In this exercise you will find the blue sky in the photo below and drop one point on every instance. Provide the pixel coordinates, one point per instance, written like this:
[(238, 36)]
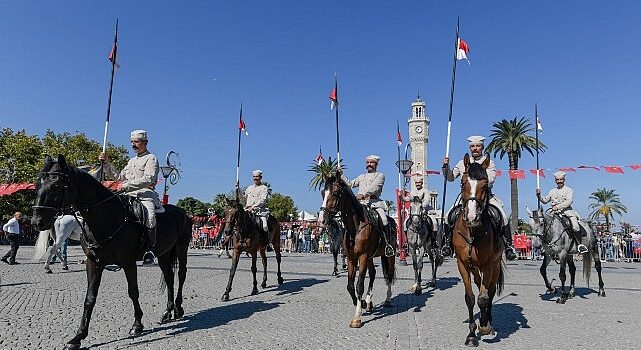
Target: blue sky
[(187, 66)]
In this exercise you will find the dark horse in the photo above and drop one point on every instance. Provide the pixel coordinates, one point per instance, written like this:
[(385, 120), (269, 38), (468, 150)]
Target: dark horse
[(336, 232), (248, 237), (114, 237), (479, 249), (362, 242)]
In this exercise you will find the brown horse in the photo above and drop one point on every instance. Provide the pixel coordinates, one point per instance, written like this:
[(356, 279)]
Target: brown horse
[(248, 237), (363, 241), (479, 249)]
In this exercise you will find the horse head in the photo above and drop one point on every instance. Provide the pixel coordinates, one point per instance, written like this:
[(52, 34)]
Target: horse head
[(54, 192), (416, 212), (475, 194), (333, 190), (233, 211)]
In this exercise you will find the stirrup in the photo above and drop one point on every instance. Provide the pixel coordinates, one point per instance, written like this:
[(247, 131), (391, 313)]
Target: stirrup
[(582, 249), (446, 250), (148, 258), (510, 253), (389, 251)]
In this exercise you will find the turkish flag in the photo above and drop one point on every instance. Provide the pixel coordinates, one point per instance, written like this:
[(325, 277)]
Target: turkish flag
[(613, 169), (533, 171), (516, 174)]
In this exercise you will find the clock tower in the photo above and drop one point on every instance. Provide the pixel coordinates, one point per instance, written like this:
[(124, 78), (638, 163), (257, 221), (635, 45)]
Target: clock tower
[(419, 127)]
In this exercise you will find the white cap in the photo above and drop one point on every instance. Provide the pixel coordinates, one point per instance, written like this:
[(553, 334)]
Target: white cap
[(257, 172), (559, 175), (418, 179), (373, 157), (476, 140), (139, 135)]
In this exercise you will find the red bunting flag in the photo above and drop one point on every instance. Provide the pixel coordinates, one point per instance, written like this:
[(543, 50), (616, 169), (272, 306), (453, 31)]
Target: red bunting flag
[(613, 169), (533, 171), (589, 167), (499, 172), (635, 166), (516, 174), (567, 169)]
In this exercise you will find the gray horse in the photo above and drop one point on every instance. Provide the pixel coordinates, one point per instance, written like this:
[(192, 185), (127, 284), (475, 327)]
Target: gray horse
[(421, 238), (336, 231), (551, 235), (65, 227)]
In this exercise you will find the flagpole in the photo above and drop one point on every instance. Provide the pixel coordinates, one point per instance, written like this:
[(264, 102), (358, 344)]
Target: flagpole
[(111, 86), (240, 120), (338, 142), (399, 194), (449, 132), (536, 128)]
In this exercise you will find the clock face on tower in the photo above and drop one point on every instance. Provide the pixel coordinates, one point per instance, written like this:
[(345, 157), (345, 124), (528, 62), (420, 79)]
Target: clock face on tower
[(418, 129)]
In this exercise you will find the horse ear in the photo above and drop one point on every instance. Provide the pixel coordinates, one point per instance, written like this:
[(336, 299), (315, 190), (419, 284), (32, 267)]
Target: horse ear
[(486, 162), (466, 160), (61, 161)]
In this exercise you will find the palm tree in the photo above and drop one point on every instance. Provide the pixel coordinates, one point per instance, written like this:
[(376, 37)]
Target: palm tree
[(322, 171), (511, 137), (607, 203)]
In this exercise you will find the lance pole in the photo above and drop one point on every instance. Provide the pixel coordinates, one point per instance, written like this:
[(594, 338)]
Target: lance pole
[(112, 58), (536, 128)]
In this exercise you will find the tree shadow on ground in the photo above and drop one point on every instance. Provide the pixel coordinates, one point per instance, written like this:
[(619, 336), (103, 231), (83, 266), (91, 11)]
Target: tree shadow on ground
[(507, 319)]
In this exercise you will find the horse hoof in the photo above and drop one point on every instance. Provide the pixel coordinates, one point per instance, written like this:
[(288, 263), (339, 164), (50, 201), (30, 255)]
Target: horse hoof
[(264, 285), (254, 291), (136, 330), (335, 273), (47, 271), (71, 347), (472, 341), (66, 268), (363, 304), (601, 293), (356, 323), (225, 297), (166, 317), (560, 300), (418, 291), (551, 291), (369, 307), (280, 280), (179, 312), (431, 284), (486, 330), (387, 304)]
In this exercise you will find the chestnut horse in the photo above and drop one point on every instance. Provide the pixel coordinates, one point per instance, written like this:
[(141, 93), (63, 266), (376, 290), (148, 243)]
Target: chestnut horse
[(479, 250), (362, 242), (248, 237)]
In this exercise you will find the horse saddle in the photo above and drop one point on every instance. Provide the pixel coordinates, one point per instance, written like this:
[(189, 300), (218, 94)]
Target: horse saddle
[(389, 231), (259, 223), (495, 216), (567, 224), (135, 211)]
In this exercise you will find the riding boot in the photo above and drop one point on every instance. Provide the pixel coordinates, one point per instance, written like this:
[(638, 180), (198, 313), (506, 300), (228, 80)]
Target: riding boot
[(579, 246), (148, 258), (510, 254), (447, 240)]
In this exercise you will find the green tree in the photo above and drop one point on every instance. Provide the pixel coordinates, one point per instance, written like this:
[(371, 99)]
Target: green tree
[(606, 204), (219, 204), (322, 171), (193, 206), (282, 207), (511, 137), (391, 205)]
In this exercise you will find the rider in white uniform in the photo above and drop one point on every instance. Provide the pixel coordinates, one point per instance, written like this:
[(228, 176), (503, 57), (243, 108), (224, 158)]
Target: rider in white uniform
[(562, 197), (257, 195)]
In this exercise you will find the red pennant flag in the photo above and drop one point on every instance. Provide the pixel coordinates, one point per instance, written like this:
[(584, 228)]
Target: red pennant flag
[(613, 169), (589, 167), (635, 166), (319, 157), (499, 172), (462, 49), (399, 139), (333, 96), (533, 171), (567, 169), (516, 174), (241, 126)]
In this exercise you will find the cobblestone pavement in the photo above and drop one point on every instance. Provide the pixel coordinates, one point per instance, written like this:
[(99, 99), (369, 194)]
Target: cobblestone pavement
[(311, 310)]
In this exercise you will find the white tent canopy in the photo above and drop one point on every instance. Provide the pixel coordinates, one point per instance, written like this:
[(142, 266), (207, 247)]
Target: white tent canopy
[(307, 216)]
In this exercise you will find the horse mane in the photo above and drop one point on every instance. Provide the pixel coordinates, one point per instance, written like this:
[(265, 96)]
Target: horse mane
[(358, 208), (475, 171)]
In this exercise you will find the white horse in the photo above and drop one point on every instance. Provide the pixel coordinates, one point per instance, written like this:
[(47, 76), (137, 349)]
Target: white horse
[(65, 226)]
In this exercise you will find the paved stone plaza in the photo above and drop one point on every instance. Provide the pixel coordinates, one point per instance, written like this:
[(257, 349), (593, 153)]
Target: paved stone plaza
[(311, 310)]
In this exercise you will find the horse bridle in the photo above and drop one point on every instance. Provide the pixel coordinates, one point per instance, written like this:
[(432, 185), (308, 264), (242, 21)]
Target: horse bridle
[(337, 196), (483, 204)]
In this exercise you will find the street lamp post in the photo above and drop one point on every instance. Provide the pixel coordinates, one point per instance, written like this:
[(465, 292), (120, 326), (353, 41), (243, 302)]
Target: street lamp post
[(404, 166), (171, 172)]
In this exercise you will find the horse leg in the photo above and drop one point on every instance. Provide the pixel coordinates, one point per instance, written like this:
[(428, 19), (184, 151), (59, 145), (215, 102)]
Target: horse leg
[(564, 297), (254, 270), (50, 255), (418, 269), (182, 274), (263, 258), (543, 270), (351, 274), (166, 267), (572, 269), (433, 264), (363, 262), (232, 272), (597, 266), (131, 273), (278, 259), (471, 339), (335, 254), (94, 275), (389, 267), (372, 274), (489, 280)]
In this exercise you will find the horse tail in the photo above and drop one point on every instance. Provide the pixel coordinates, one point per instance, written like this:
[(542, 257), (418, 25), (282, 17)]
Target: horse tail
[(173, 259), (587, 267), (41, 245), (500, 282)]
